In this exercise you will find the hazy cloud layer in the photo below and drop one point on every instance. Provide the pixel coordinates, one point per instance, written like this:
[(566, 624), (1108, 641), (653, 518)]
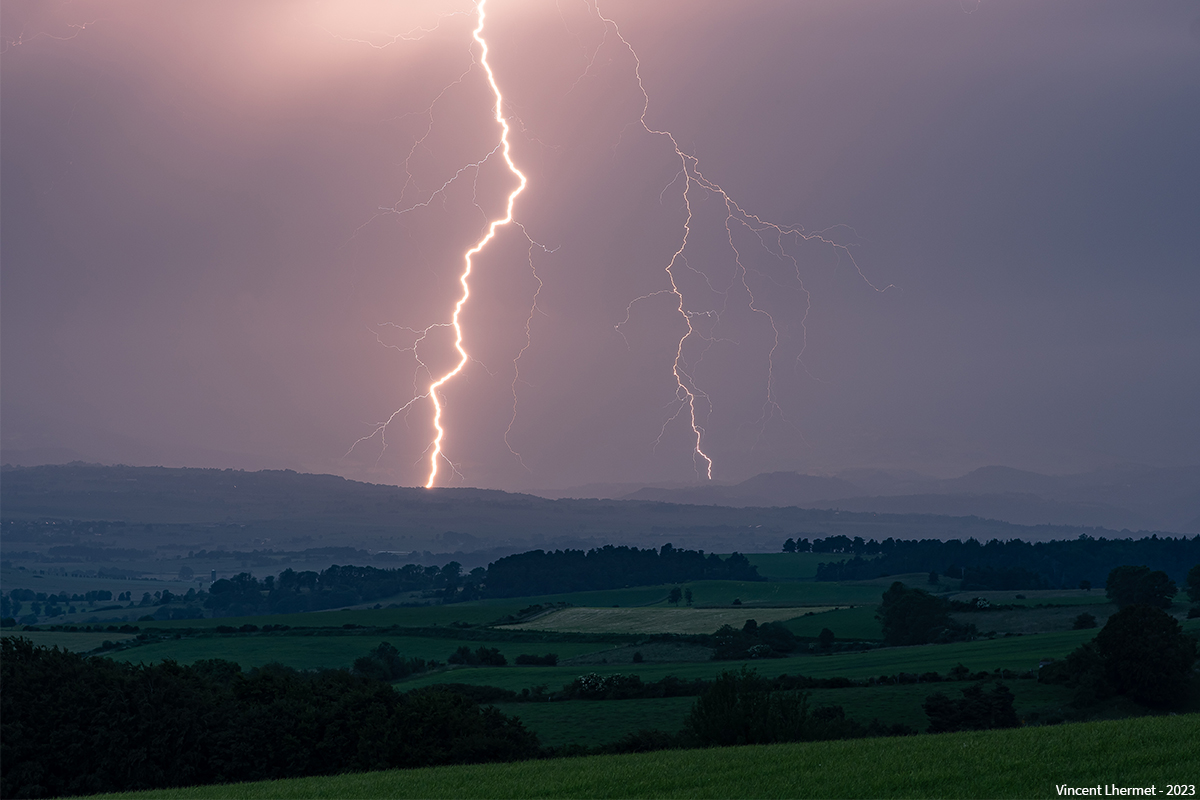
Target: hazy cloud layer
[(203, 264)]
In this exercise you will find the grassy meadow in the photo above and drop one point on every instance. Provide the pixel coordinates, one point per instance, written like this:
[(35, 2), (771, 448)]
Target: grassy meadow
[(1018, 763), (592, 723), (78, 642), (657, 620), (1018, 653)]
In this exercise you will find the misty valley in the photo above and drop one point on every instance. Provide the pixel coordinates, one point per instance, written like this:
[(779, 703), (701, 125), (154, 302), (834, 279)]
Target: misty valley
[(164, 624)]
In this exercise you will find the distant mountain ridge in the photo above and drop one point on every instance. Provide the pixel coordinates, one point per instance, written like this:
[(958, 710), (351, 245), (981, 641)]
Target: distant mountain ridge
[(1134, 498), (188, 509)]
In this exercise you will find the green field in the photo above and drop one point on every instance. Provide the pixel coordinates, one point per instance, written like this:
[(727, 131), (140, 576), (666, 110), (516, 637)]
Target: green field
[(414, 617), (714, 594), (1018, 653), (723, 593), (598, 722), (846, 623), (658, 620), (78, 642), (318, 651), (1020, 763)]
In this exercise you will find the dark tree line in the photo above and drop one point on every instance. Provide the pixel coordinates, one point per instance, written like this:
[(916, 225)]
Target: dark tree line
[(609, 567), (75, 725), (531, 573), (1012, 564), (337, 586)]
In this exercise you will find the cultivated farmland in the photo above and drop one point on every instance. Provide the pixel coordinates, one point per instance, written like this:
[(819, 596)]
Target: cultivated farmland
[(658, 620)]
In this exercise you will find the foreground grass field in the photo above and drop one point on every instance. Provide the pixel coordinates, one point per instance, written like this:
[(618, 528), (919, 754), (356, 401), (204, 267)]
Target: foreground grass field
[(1027, 762)]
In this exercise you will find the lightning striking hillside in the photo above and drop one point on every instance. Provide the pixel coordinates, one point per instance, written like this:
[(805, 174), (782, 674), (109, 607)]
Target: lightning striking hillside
[(771, 236), (701, 322), (506, 149)]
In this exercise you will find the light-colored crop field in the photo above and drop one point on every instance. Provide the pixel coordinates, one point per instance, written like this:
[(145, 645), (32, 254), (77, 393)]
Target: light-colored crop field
[(1024, 762), (659, 620)]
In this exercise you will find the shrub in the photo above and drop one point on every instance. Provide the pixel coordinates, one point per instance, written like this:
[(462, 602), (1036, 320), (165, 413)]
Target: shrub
[(974, 711), (548, 660), (482, 657)]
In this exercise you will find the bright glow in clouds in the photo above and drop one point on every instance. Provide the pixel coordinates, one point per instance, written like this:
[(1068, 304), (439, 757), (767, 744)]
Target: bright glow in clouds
[(691, 401), (234, 235)]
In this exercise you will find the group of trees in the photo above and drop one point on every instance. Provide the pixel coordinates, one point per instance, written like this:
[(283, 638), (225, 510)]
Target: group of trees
[(73, 725), (1013, 564), (609, 567), (976, 710), (385, 663), (744, 708), (337, 586), (769, 640), (534, 572), (480, 657), (1141, 652), (49, 604), (914, 616)]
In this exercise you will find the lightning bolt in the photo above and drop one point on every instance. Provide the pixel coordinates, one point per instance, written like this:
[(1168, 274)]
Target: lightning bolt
[(464, 279), (701, 326), (686, 390)]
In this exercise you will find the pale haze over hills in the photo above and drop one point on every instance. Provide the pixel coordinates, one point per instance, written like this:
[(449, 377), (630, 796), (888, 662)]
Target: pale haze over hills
[(1131, 497)]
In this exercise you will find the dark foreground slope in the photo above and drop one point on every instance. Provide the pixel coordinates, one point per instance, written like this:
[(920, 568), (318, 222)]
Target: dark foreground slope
[(1024, 762)]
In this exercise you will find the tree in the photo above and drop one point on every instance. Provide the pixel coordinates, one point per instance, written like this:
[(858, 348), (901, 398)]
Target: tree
[(825, 638), (687, 596), (1127, 586), (1086, 585), (789, 546), (1083, 621), (1193, 584), (675, 596), (913, 616), (1147, 656)]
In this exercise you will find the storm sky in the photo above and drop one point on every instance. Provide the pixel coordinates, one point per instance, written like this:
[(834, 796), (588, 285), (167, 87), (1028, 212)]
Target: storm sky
[(205, 264)]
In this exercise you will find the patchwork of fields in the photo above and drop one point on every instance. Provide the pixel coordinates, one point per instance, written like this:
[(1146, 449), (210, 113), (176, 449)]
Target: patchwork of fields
[(602, 630)]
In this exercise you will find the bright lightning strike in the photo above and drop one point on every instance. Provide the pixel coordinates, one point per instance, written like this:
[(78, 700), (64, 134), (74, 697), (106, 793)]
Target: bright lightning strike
[(686, 390), (464, 279), (701, 325)]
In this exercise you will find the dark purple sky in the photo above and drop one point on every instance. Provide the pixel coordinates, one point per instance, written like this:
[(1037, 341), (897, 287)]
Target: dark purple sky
[(200, 267)]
